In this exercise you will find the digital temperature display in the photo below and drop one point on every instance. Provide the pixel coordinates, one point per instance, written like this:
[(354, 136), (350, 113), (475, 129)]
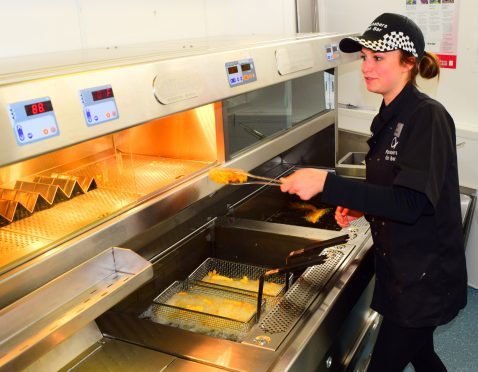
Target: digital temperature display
[(33, 120), (99, 105), (232, 70), (98, 95), (38, 108)]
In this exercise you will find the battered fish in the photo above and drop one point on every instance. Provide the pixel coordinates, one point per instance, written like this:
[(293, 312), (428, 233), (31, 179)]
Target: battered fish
[(227, 175), (252, 285), (214, 305), (315, 213), (314, 216)]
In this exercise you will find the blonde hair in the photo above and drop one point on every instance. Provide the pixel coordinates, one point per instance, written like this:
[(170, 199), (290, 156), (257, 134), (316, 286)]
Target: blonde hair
[(428, 67)]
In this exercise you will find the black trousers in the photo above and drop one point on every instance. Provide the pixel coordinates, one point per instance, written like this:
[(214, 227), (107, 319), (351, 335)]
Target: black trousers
[(397, 346)]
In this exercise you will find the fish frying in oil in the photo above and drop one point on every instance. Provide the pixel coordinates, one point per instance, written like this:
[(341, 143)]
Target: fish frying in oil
[(245, 283), (314, 214)]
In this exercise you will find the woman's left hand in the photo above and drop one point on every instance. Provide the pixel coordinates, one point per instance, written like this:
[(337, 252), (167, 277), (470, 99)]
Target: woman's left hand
[(305, 182)]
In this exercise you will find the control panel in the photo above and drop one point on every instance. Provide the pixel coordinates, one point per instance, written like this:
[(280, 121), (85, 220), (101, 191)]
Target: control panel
[(332, 52), (241, 72), (99, 105), (33, 120)]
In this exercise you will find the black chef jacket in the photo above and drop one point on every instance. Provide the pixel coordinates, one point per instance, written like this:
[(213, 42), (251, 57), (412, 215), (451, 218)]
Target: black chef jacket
[(420, 266)]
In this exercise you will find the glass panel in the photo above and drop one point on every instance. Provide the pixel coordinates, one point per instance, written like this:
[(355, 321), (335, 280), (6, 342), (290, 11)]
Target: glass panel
[(252, 117)]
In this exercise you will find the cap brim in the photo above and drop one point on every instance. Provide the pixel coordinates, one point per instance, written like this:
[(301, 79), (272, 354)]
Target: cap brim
[(354, 44), (350, 45)]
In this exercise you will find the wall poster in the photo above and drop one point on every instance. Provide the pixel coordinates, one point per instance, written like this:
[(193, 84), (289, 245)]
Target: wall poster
[(438, 20)]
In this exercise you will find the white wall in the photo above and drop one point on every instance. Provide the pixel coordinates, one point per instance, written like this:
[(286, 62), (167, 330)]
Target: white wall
[(31, 27), (457, 89)]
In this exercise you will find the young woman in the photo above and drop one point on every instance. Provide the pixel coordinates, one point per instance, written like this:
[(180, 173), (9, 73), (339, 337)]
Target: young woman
[(410, 197)]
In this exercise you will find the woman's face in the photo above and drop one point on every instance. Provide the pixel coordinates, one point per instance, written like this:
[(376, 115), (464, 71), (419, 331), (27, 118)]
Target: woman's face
[(384, 73)]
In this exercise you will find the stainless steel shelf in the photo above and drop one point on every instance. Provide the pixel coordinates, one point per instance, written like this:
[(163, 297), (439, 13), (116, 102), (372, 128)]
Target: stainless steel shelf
[(41, 320)]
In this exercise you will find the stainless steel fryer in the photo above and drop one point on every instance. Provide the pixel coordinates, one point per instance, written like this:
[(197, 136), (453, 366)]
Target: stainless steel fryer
[(246, 242)]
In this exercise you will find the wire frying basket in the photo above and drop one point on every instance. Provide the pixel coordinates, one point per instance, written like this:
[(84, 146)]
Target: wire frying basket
[(206, 310), (237, 277)]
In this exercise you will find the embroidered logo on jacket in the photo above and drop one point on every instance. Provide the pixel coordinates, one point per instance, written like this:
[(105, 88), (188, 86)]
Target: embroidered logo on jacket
[(391, 154), (394, 143)]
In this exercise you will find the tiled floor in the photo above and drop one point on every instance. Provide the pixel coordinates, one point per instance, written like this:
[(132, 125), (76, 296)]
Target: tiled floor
[(457, 342)]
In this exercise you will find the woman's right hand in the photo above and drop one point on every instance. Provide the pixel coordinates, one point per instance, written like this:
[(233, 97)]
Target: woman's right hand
[(343, 216)]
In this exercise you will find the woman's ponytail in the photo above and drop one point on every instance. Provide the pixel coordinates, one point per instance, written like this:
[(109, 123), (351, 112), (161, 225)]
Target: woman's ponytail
[(427, 68)]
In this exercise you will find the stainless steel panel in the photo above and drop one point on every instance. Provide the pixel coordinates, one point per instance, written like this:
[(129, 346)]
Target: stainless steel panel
[(470, 202), (69, 349), (192, 346), (131, 82), (465, 203), (112, 355), (294, 58), (181, 365), (174, 87), (288, 230), (359, 357), (39, 321), (352, 165), (349, 141)]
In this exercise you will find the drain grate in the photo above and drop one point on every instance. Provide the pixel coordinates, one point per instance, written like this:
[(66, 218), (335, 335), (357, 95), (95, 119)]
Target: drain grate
[(359, 222), (291, 307)]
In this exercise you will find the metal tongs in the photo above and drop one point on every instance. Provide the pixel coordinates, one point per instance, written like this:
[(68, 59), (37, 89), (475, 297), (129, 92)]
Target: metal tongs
[(260, 180), (307, 256)]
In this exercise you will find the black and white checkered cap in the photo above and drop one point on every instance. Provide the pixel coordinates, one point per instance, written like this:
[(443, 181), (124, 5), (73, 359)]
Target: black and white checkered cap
[(386, 33)]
